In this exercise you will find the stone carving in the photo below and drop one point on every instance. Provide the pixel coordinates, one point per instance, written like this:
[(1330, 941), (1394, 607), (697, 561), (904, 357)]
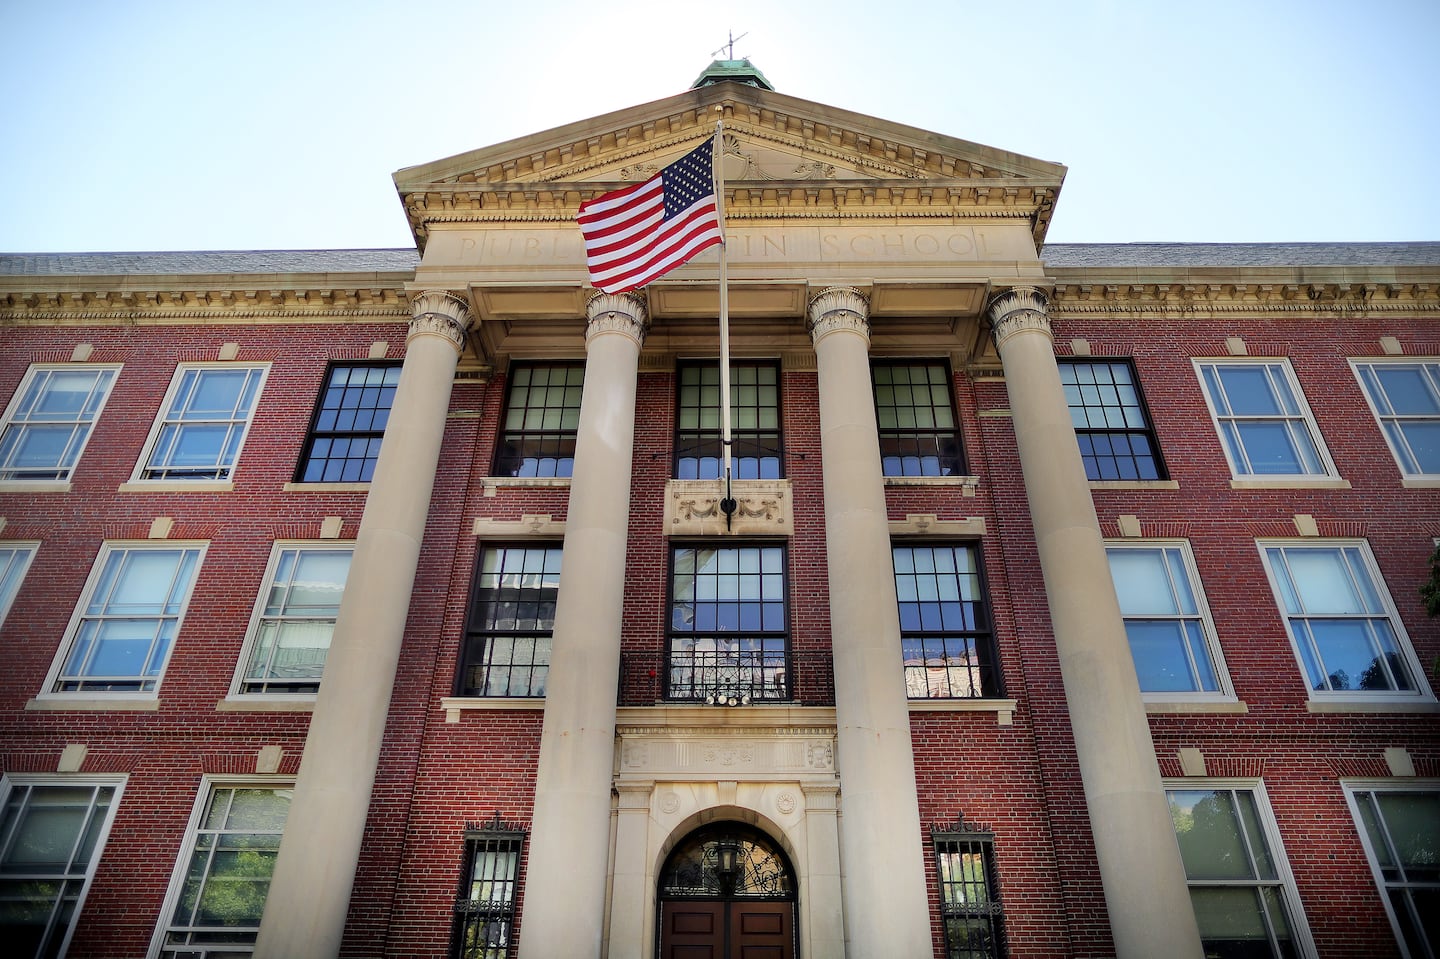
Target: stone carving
[(639, 171), (669, 804), (709, 508), (441, 313), (820, 754), (839, 308), (729, 754), (1016, 310), (814, 170), (636, 754), (617, 313), (785, 803)]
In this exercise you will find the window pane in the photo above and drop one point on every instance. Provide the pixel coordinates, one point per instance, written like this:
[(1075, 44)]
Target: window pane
[(542, 414), (349, 424), (51, 420), (203, 426)]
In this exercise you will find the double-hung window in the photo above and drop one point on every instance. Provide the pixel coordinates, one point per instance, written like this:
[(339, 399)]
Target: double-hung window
[(915, 413), (754, 421), (14, 561), (1172, 638), (1265, 425), (490, 879), (1405, 397), (294, 618), (946, 634), (1240, 884), (512, 612), (129, 614), (52, 831), (970, 907), (47, 423), (1400, 826), (542, 415), (202, 423), (1342, 623), (1112, 426), (222, 878), (349, 423), (729, 638)]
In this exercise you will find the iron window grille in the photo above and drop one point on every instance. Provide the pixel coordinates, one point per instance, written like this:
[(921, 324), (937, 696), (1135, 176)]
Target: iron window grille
[(49, 420), (489, 882), (729, 640), (349, 423), (542, 415), (757, 866), (756, 451), (970, 908), (1112, 424), (1401, 828), (512, 613), (915, 413), (946, 635)]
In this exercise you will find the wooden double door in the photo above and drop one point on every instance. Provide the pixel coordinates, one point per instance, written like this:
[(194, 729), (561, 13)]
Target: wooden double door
[(727, 929)]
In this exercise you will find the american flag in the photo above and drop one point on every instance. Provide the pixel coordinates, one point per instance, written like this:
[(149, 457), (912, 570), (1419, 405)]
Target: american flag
[(640, 233)]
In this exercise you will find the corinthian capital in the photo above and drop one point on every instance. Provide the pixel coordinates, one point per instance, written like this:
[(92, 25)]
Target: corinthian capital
[(617, 313), (839, 308), (439, 313), (1019, 309)]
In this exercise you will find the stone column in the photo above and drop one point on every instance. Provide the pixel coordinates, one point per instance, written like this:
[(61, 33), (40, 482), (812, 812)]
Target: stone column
[(633, 892), (1139, 860), (824, 935), (564, 914), (881, 845), (315, 870)]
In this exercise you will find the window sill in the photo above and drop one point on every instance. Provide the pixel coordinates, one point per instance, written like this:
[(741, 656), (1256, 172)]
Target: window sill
[(169, 486), (325, 487), (1289, 482), (1196, 706), (34, 486), (60, 703), (1004, 709), (1135, 484), (494, 483), (455, 705), (256, 704), (1373, 706), (968, 483), (1420, 482)]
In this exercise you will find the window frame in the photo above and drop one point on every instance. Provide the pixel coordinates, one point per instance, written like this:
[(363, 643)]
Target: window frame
[(983, 638), (9, 782), (107, 549), (502, 837), (473, 634), (1270, 832), (313, 434), (1404, 648), (1430, 369), (209, 785), (258, 618), (696, 439), (1353, 789), (167, 414), (957, 463), (27, 382), (1281, 367), (506, 438), (1225, 691), (961, 834), (1143, 407), (13, 572)]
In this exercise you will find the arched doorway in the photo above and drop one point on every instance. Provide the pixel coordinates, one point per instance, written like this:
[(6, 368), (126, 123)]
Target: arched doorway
[(727, 892)]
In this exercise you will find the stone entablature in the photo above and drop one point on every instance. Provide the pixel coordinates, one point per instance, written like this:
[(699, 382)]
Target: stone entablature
[(708, 743), (186, 299)]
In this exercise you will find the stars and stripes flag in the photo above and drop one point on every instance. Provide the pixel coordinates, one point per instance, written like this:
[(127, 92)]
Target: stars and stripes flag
[(640, 233)]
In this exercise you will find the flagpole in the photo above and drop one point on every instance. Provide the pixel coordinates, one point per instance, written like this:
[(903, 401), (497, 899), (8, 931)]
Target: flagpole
[(727, 504)]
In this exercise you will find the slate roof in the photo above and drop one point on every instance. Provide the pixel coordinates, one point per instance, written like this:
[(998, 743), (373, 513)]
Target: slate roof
[(1240, 254), (216, 261)]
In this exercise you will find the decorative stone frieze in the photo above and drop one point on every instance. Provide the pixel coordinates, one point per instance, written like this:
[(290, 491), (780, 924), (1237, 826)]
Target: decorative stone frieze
[(1016, 310), (838, 308), (692, 508), (439, 313), (617, 313)]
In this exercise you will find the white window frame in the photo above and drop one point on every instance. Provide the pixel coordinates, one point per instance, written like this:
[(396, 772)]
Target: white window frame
[(257, 616), (1226, 692), (208, 785), (82, 425), (1353, 786), (1304, 943), (12, 572), (163, 416), (107, 549), (1302, 418), (10, 781), (1403, 646), (1431, 370)]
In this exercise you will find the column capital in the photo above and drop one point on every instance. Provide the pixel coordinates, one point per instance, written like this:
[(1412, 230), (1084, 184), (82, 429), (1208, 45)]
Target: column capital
[(439, 313), (839, 308), (1023, 308), (617, 313)]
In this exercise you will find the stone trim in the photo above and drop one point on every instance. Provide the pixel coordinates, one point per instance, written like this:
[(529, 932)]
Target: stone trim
[(763, 507), (926, 524), (1017, 310), (1004, 709), (440, 313), (623, 313), (838, 308), (528, 525)]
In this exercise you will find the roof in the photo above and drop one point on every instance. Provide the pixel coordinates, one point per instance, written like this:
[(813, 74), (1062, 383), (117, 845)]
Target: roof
[(240, 262), (1240, 254)]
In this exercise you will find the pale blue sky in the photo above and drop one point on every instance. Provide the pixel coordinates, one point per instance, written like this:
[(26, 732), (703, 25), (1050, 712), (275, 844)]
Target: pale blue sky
[(258, 124)]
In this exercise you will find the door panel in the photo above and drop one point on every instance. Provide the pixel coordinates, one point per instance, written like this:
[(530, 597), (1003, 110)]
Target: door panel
[(762, 930), (757, 930), (692, 930)]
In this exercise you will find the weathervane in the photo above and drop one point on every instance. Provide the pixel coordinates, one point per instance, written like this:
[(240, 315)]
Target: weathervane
[(729, 46)]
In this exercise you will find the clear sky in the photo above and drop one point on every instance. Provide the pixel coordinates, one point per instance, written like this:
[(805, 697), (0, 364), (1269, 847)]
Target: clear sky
[(130, 125)]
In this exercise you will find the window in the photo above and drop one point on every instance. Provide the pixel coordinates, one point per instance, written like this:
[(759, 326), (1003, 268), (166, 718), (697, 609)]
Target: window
[(1405, 398), (1172, 640), (51, 837), (1240, 885), (1401, 830), (1265, 426), (1342, 623), (512, 611), (349, 423), (970, 906), (1111, 423), (542, 413), (485, 909), (754, 421), (223, 876), (129, 614), (945, 630), (49, 420), (916, 416), (202, 423), (729, 641), (14, 561), (294, 619)]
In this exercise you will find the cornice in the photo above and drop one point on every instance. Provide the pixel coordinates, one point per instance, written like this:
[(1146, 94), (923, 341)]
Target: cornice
[(1281, 299)]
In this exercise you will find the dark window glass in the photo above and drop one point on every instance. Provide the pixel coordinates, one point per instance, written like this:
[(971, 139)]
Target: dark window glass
[(542, 413), (1111, 424), (485, 908), (512, 611), (945, 630), (754, 421), (915, 412), (349, 423), (970, 907)]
